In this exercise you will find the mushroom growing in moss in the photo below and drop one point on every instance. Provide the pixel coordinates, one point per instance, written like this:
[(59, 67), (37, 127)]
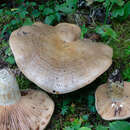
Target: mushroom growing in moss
[(113, 98), (26, 110), (56, 59)]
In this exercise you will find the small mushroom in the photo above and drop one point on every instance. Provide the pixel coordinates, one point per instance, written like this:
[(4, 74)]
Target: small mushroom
[(56, 59), (113, 98), (26, 110)]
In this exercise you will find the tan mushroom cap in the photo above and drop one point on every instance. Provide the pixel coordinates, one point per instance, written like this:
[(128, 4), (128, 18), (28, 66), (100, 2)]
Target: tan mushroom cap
[(56, 59), (104, 104), (28, 110)]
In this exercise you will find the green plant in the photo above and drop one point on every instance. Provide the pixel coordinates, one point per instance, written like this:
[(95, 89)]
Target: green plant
[(119, 125), (100, 127), (64, 109), (14, 18), (105, 31), (72, 108), (83, 31), (10, 60), (68, 7), (65, 106), (121, 12), (118, 8), (54, 14), (23, 82), (91, 103), (8, 56), (127, 51), (77, 124), (28, 12), (126, 73), (116, 125)]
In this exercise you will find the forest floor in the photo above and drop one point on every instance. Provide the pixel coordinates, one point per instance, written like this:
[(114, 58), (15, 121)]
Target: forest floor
[(76, 108)]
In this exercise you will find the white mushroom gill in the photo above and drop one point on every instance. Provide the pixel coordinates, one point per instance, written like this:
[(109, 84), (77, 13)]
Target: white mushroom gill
[(9, 90)]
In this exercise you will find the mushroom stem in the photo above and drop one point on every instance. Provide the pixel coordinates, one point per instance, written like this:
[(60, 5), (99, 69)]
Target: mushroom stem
[(115, 91), (115, 86), (9, 90)]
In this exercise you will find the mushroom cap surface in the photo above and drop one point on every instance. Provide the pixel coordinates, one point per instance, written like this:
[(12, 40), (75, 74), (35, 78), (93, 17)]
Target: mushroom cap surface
[(104, 103), (32, 112), (56, 59)]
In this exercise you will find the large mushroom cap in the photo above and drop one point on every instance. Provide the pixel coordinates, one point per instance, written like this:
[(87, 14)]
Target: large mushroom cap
[(107, 109), (30, 110), (56, 59)]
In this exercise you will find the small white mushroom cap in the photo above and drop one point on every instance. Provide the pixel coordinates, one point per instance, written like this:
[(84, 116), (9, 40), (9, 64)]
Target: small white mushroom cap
[(28, 110), (55, 58)]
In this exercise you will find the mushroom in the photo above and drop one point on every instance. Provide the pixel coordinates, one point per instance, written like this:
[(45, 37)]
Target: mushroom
[(56, 59), (113, 98), (26, 110)]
